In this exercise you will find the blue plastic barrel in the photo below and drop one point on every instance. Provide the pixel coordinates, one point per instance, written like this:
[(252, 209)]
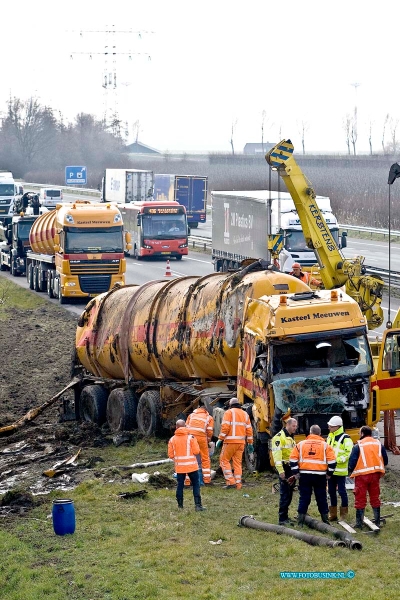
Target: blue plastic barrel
[(63, 516)]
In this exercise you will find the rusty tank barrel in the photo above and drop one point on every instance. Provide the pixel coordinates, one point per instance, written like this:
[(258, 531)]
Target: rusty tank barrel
[(313, 540), (181, 329)]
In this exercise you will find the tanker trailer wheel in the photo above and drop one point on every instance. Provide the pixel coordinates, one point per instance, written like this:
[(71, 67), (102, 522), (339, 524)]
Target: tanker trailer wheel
[(149, 413), (93, 404), (50, 291), (35, 275), (121, 410), (29, 276)]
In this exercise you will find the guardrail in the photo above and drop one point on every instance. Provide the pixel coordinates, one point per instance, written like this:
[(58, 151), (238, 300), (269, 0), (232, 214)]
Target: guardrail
[(370, 230), (200, 242), (64, 188)]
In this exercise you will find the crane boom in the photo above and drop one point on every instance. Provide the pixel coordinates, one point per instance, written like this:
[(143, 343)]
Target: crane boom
[(335, 269)]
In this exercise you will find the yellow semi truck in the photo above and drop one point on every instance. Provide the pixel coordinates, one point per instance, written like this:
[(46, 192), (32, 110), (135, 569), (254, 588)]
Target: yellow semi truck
[(145, 354), (77, 251)]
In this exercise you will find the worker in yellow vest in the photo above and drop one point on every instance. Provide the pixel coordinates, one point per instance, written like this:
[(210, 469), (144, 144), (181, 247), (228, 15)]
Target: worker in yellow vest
[(282, 445), (342, 446)]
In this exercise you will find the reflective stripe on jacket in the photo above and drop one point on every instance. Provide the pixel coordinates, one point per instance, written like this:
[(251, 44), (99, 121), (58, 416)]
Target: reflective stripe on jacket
[(313, 455), (182, 448), (236, 427), (342, 446), (200, 423), (282, 445), (370, 457)]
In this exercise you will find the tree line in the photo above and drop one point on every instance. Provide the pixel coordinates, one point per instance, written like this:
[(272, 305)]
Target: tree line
[(36, 145)]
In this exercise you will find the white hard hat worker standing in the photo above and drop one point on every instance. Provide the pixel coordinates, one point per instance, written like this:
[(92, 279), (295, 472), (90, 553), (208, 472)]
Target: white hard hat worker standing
[(342, 446)]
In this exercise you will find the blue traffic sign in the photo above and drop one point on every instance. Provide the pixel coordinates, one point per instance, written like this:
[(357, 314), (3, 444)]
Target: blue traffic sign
[(75, 175)]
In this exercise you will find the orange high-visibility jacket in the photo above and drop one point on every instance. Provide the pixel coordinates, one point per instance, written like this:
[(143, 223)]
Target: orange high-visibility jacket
[(236, 427), (313, 455), (200, 423), (370, 459), (306, 278), (182, 448)]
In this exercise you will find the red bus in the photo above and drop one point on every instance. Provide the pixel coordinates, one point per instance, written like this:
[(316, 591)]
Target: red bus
[(156, 228)]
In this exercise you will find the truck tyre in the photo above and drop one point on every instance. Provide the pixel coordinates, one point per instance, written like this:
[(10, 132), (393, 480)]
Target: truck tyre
[(42, 280), (3, 267), (13, 270), (29, 276), (225, 266), (121, 410), (35, 275), (194, 225), (50, 291), (93, 404), (149, 413)]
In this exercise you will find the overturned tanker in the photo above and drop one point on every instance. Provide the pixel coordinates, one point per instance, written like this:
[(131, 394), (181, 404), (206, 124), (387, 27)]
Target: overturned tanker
[(145, 354)]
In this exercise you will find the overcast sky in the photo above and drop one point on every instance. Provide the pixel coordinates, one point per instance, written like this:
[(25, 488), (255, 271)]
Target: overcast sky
[(213, 63)]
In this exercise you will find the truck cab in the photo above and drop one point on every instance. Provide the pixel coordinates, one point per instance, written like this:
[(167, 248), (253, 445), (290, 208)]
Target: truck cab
[(10, 192)]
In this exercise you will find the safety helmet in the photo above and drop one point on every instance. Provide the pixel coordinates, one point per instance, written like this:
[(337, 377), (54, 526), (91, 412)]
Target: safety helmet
[(296, 266), (233, 401), (335, 422)]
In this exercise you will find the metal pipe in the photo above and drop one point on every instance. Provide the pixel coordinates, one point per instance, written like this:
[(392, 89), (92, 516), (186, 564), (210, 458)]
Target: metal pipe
[(313, 540), (326, 528)]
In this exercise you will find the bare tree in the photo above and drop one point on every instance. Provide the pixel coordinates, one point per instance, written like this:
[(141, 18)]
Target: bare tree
[(32, 126), (136, 130), (385, 122), (354, 132), (346, 128), (393, 124), (370, 137), (303, 126), (233, 127), (263, 115)]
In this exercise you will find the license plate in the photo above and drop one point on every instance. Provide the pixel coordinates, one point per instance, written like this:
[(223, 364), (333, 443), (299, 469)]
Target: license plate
[(165, 253)]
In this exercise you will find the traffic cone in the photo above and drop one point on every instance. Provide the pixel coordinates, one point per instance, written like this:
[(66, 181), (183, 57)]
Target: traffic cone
[(168, 270)]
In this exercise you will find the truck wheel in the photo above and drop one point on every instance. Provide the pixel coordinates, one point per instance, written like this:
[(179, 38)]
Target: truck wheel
[(3, 267), (35, 275), (42, 280), (50, 291), (149, 413), (121, 410), (194, 225), (29, 276), (13, 270), (225, 266), (93, 404)]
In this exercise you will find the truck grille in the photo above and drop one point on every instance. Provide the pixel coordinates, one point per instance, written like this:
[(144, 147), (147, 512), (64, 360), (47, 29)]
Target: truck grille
[(94, 284), (94, 266)]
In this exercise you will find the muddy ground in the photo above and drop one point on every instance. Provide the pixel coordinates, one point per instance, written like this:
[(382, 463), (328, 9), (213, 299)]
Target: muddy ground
[(36, 347)]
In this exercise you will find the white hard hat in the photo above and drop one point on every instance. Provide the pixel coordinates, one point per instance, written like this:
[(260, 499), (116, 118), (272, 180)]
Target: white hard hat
[(233, 401), (336, 422)]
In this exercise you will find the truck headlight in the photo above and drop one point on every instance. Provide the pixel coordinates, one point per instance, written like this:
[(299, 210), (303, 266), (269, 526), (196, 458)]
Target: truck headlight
[(69, 284)]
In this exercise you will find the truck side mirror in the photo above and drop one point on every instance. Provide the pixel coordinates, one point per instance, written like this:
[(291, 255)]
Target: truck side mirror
[(128, 237), (56, 240), (344, 239)]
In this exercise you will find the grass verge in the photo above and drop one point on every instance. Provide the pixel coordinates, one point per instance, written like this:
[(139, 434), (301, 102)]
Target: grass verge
[(146, 548)]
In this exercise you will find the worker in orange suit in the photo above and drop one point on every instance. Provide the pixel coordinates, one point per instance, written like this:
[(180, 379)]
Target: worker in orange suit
[(201, 424), (303, 276), (183, 448), (235, 430)]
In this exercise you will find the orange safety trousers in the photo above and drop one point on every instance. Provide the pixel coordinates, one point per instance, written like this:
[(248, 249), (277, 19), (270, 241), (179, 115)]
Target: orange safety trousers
[(234, 453), (205, 464)]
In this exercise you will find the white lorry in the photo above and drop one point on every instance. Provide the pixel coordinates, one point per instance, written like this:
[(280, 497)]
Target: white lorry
[(242, 221), (10, 192), (127, 185)]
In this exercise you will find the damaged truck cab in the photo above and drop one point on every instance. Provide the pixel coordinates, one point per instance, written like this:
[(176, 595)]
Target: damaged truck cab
[(306, 355)]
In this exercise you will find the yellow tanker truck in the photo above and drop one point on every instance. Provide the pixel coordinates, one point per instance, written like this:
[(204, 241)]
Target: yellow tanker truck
[(145, 354), (77, 251)]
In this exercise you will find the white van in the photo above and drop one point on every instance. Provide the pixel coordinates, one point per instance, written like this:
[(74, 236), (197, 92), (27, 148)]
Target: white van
[(50, 197)]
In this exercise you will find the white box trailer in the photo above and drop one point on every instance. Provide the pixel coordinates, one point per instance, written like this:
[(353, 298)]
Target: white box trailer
[(240, 227), (127, 185)]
